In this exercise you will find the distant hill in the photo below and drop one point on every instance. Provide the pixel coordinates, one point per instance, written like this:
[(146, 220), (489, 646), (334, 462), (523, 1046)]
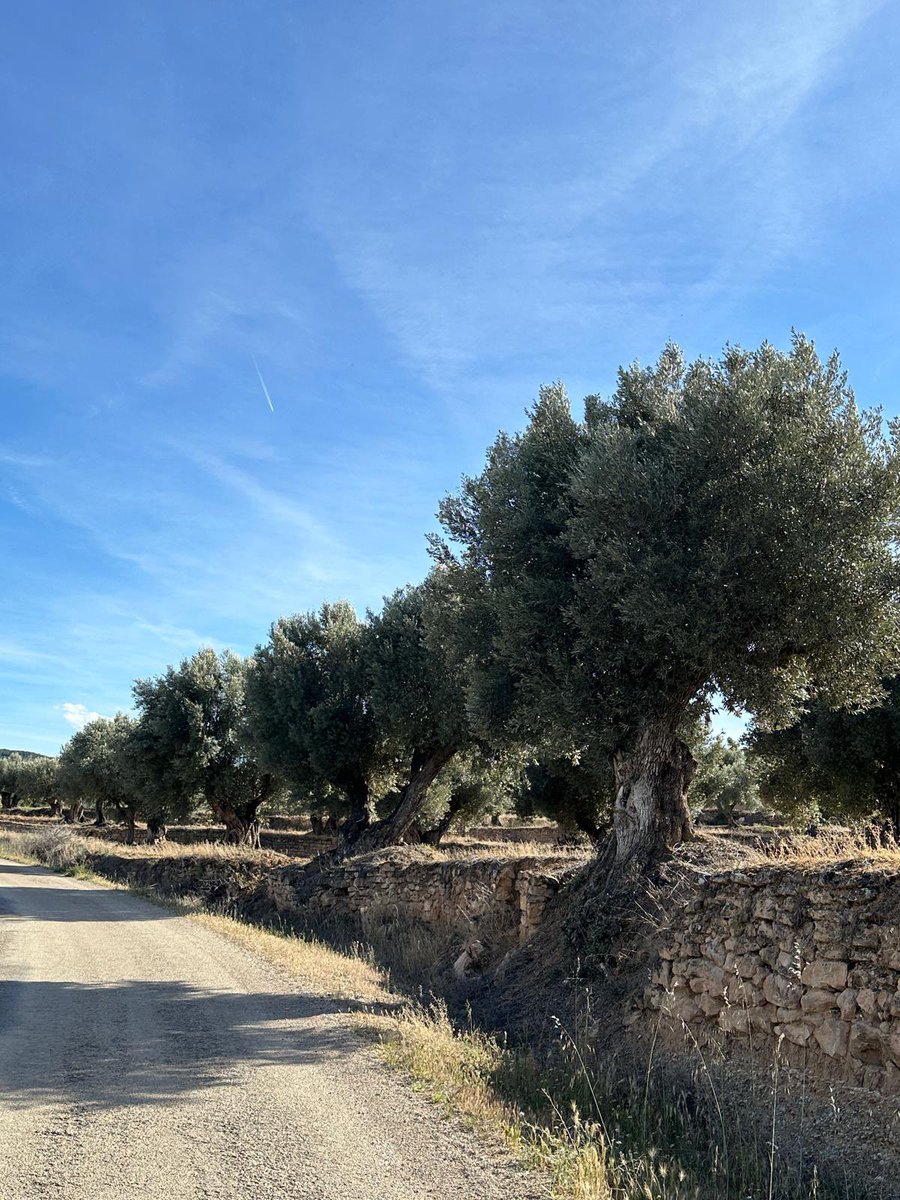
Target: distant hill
[(23, 753)]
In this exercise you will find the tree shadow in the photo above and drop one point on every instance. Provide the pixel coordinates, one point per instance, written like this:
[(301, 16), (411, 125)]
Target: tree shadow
[(111, 1045), (59, 902)]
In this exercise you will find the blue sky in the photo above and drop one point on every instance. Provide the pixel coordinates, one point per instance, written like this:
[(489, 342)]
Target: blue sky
[(408, 215)]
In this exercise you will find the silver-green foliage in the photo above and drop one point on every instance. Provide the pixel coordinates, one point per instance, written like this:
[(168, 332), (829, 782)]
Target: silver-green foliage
[(720, 527), (726, 779), (193, 744)]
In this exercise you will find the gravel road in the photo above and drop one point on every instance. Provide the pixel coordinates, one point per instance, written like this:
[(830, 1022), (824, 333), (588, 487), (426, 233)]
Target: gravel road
[(142, 1056)]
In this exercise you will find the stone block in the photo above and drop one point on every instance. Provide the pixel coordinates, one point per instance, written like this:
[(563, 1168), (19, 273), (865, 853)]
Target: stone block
[(833, 1037), (796, 1032), (866, 1001), (782, 992), (825, 973), (711, 1005), (846, 1003), (818, 1000), (865, 1043)]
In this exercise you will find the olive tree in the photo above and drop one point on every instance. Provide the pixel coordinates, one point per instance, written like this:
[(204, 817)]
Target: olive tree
[(844, 763), (310, 711), (418, 698), (726, 779), (374, 708), (193, 746), (723, 528), (27, 779), (576, 795), (478, 784), (12, 775), (39, 783), (95, 768)]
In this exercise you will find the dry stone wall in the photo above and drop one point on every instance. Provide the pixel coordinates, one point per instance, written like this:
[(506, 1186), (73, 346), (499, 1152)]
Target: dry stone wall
[(807, 960), (452, 894), (402, 882)]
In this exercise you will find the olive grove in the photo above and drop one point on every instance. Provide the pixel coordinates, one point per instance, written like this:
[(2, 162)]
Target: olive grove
[(716, 533)]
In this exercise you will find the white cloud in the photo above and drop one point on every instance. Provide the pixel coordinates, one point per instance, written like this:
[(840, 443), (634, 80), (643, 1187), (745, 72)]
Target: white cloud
[(78, 715)]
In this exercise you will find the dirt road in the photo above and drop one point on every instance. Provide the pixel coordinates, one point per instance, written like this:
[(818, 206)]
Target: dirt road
[(144, 1056)]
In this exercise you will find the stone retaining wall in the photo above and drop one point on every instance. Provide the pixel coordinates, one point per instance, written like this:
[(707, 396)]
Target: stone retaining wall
[(405, 882), (808, 960), (454, 894)]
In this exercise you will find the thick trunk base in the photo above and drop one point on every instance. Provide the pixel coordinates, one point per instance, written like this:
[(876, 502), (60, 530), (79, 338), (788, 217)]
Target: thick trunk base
[(401, 824), (156, 832), (242, 828), (651, 814)]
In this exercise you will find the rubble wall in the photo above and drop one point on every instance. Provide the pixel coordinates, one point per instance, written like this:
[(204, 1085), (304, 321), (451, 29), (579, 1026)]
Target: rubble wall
[(805, 960)]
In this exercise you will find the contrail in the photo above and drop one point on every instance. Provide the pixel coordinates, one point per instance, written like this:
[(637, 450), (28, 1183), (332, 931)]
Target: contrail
[(262, 382)]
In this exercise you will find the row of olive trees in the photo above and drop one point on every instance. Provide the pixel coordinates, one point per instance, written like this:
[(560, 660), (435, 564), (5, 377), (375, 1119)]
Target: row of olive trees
[(718, 533), (27, 779), (354, 717)]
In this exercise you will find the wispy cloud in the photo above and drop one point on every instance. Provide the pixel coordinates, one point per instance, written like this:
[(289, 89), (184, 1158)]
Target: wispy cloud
[(77, 715), (692, 192), (13, 458)]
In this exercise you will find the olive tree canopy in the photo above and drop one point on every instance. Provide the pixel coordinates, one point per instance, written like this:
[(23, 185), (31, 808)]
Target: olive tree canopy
[(373, 709), (193, 742), (310, 710), (94, 768), (844, 764), (724, 527), (418, 697)]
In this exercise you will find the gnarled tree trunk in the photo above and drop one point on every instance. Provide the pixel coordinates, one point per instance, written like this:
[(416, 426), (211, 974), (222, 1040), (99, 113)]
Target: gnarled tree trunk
[(362, 811), (241, 823), (424, 769), (652, 775), (74, 813), (99, 817), (156, 830), (433, 836)]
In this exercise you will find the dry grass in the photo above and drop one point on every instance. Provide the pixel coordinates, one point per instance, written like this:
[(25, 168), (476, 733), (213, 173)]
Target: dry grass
[(325, 971), (455, 1069), (46, 843), (470, 849), (832, 844)]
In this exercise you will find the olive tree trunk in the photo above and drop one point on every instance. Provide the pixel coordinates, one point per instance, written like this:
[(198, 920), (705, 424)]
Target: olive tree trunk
[(424, 769), (241, 823), (652, 776), (434, 836), (362, 811), (156, 830), (99, 815)]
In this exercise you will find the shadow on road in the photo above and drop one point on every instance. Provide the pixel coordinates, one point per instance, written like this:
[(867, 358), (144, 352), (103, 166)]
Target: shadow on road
[(108, 1045), (59, 902)]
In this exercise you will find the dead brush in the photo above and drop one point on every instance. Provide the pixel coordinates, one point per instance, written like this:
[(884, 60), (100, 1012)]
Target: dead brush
[(56, 847)]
